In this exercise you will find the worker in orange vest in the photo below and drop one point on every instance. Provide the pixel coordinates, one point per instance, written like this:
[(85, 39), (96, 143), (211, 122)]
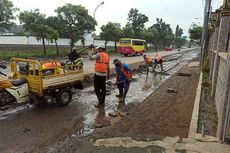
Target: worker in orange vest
[(148, 62), (158, 60), (124, 76), (101, 71)]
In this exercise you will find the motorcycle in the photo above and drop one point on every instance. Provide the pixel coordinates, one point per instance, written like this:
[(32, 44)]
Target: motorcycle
[(12, 92)]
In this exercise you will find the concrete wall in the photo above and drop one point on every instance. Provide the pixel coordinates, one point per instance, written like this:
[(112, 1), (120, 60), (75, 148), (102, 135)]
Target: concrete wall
[(221, 86), (23, 40), (219, 58)]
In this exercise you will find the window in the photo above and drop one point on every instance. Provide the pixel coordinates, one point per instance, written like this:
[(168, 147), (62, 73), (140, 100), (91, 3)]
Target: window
[(138, 42), (125, 41)]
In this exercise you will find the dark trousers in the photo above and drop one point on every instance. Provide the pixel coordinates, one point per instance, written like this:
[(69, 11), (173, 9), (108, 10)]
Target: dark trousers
[(158, 62), (123, 87), (100, 88)]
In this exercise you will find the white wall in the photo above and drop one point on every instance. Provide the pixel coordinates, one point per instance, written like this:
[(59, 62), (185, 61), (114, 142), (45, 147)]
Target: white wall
[(23, 40)]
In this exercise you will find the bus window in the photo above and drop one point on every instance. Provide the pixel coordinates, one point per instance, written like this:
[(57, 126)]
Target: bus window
[(138, 42), (125, 41)]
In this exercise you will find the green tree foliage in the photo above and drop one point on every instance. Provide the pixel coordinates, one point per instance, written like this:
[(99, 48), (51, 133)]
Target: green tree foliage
[(54, 35), (34, 22), (111, 32), (83, 41), (196, 33), (57, 24), (127, 31), (137, 21), (180, 41), (164, 36), (6, 14), (179, 31), (149, 35), (77, 20)]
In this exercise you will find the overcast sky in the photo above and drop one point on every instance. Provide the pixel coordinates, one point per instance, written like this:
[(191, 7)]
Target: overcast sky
[(173, 12)]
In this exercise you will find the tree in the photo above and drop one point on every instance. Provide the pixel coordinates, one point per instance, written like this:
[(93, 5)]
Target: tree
[(180, 41), (57, 24), (6, 14), (179, 31), (77, 20), (148, 35), (196, 33), (127, 31), (163, 34), (83, 41), (137, 21), (111, 32), (54, 35), (34, 22)]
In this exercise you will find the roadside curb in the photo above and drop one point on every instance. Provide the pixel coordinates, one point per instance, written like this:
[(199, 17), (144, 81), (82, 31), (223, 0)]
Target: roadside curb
[(195, 113)]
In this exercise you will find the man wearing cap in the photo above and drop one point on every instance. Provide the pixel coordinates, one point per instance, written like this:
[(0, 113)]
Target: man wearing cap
[(101, 71), (124, 76)]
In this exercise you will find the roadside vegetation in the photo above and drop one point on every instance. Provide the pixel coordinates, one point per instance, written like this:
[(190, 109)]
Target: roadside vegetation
[(207, 112), (73, 22)]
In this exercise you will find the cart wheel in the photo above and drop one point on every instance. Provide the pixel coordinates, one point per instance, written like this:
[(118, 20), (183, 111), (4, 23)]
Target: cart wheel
[(64, 97)]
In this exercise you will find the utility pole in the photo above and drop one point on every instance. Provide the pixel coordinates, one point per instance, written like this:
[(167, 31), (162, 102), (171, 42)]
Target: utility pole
[(204, 40)]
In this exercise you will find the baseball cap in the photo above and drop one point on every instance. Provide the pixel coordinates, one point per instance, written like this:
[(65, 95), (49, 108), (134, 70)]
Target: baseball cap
[(116, 61)]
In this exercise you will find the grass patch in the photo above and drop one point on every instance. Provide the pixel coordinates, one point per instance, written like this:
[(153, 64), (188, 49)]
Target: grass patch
[(6, 54)]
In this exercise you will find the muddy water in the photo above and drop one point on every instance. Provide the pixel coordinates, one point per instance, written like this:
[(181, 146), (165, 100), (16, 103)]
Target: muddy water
[(82, 111)]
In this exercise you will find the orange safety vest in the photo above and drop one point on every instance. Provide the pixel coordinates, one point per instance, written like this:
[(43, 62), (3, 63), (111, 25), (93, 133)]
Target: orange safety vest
[(102, 64), (128, 74), (158, 58), (51, 65)]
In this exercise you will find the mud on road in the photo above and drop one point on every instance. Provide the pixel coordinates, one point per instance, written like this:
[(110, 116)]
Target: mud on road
[(166, 112), (51, 128)]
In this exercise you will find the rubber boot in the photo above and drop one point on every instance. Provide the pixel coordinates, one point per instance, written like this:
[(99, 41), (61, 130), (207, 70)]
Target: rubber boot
[(122, 99), (101, 100)]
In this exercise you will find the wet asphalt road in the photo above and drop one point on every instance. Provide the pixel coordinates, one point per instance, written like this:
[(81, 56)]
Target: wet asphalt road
[(25, 127)]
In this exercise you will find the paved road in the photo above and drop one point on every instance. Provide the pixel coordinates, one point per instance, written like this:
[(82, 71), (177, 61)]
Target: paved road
[(24, 129), (89, 64)]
